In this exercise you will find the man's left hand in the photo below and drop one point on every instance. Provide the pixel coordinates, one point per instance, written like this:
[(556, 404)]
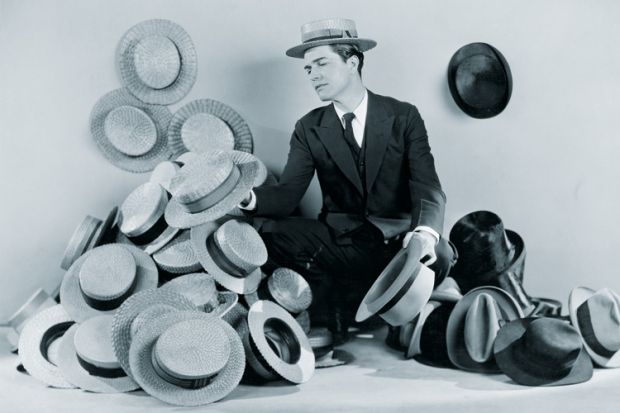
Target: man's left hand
[(422, 243)]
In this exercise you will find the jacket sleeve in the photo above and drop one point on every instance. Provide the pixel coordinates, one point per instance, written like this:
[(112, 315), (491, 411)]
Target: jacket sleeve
[(427, 198), (281, 199)]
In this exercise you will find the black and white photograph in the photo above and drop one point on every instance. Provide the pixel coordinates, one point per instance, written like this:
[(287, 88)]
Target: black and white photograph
[(329, 206)]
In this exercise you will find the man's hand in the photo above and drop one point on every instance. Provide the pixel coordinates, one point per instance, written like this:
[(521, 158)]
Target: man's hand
[(421, 244)]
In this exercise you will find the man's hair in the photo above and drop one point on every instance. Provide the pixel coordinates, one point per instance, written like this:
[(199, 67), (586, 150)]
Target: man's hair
[(345, 51)]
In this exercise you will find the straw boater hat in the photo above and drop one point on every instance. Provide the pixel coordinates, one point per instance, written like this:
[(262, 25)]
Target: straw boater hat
[(294, 359), (157, 61), (178, 257), (100, 280), (473, 326), (37, 302), (233, 253), (141, 218), (206, 124), (329, 31), (187, 358), (285, 287), (542, 351), (207, 188), (199, 288), (130, 134), (596, 316), (127, 320), (480, 80), (165, 171), (91, 233), (87, 360), (400, 291), (39, 344)]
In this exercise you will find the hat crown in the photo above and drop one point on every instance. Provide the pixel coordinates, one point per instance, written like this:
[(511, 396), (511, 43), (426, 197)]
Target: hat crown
[(552, 342), (157, 61), (192, 349), (481, 81), (290, 289), (107, 272), (604, 307), (142, 208), (201, 176), (241, 244), (482, 322), (199, 288), (93, 342), (203, 132), (328, 28), (130, 130)]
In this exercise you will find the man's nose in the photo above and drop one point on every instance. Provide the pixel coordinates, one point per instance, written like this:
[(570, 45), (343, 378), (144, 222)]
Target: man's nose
[(314, 75)]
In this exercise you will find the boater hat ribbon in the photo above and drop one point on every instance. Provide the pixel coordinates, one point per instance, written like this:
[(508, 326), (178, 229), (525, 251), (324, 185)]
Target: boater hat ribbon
[(213, 197)]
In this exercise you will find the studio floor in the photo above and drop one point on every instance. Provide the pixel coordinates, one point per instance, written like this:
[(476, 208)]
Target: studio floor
[(378, 380)]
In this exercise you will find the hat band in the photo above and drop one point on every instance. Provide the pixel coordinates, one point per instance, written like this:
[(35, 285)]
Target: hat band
[(100, 371), (215, 196), (324, 34), (52, 333), (397, 297), (539, 367), (106, 305), (152, 233), (184, 383), (222, 261), (587, 332)]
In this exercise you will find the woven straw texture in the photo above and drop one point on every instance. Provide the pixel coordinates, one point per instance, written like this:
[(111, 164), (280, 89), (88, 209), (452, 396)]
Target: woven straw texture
[(71, 294), (241, 244), (199, 288), (107, 273), (243, 140), (225, 302), (177, 217), (178, 256), (163, 174), (290, 290), (150, 313), (160, 115), (259, 314), (130, 130), (203, 132), (201, 176), (140, 358), (142, 208), (30, 346), (156, 61), (132, 308)]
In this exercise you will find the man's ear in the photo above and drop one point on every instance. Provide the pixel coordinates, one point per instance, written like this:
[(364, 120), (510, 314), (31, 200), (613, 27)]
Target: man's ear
[(353, 63)]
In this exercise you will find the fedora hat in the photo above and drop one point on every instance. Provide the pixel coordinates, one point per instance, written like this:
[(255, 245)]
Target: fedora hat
[(489, 254), (596, 316), (542, 351), (100, 280), (86, 358), (473, 326), (232, 252), (329, 31), (39, 344), (177, 256), (428, 344), (187, 358), (400, 291), (91, 233), (141, 218), (134, 312), (157, 61), (206, 124), (480, 80), (130, 134), (37, 302), (447, 290), (207, 188), (279, 343)]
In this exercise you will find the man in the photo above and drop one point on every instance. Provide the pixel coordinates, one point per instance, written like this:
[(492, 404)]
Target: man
[(377, 176)]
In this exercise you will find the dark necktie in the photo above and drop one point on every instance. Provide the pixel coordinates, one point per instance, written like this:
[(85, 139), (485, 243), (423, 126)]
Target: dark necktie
[(348, 132)]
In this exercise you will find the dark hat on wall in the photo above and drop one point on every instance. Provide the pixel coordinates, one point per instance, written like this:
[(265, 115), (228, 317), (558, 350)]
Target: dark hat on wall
[(489, 254), (542, 352), (329, 31), (480, 80)]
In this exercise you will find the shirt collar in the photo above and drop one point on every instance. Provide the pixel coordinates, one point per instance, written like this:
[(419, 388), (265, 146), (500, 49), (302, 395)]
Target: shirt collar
[(360, 111)]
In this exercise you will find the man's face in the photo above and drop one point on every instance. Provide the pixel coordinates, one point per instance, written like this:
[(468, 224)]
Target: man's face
[(328, 73)]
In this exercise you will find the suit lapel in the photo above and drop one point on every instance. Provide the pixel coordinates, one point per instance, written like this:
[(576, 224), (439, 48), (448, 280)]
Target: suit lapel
[(377, 134), (329, 132)]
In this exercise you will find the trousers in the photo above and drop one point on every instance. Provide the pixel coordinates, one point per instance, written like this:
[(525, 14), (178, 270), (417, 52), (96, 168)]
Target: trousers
[(340, 270)]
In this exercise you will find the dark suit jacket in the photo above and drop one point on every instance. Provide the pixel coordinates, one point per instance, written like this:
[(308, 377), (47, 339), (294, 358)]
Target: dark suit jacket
[(401, 181)]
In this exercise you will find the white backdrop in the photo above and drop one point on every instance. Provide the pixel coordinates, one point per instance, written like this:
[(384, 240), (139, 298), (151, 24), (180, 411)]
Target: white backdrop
[(546, 165)]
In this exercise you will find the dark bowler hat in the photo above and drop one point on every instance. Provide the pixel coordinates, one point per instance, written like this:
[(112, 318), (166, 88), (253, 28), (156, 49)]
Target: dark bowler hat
[(480, 80), (489, 254)]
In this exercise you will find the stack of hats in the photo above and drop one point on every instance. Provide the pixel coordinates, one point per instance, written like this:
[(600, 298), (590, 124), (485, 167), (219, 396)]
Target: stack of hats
[(150, 297)]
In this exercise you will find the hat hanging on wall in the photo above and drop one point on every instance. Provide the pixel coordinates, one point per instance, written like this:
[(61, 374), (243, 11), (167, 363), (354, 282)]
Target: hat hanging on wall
[(205, 124), (329, 31), (130, 133), (480, 80), (157, 61)]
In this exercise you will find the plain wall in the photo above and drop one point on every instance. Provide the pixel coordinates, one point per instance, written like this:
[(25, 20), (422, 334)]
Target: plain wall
[(546, 165)]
